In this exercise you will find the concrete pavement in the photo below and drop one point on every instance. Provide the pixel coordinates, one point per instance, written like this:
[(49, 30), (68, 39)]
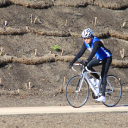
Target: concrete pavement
[(61, 109)]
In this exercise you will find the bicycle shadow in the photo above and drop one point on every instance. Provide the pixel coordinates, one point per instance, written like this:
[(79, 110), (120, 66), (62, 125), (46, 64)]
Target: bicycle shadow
[(125, 105)]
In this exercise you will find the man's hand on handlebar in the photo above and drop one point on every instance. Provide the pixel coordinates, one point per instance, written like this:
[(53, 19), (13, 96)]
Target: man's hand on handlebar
[(84, 62), (81, 61)]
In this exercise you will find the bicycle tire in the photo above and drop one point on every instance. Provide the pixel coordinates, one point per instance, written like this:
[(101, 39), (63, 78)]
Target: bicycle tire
[(112, 98), (74, 98)]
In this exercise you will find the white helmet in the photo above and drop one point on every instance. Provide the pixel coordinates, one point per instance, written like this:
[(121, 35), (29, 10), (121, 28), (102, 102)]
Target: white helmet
[(87, 33)]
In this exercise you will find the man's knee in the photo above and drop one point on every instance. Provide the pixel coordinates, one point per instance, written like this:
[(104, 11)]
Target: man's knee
[(89, 67)]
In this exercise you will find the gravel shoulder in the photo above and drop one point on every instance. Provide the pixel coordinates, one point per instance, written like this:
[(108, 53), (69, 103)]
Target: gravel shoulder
[(81, 120)]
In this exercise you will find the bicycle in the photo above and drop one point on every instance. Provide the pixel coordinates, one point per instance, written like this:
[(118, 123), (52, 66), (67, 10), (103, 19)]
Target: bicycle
[(77, 89)]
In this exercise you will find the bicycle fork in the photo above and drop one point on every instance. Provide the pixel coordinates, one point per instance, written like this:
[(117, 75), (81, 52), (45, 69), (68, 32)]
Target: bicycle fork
[(79, 84)]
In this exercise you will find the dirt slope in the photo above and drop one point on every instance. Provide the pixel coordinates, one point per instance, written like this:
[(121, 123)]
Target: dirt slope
[(39, 25)]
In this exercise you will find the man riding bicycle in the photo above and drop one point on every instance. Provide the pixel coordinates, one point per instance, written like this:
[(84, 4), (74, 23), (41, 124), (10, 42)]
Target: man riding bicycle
[(102, 56)]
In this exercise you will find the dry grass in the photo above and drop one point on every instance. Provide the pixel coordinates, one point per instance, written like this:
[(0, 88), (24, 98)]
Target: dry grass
[(122, 53), (1, 50)]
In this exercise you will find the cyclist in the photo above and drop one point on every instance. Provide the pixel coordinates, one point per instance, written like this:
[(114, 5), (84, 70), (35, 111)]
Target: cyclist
[(102, 56)]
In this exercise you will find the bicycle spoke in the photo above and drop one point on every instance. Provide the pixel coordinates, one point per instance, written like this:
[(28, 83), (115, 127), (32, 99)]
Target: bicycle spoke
[(77, 92), (113, 91), (75, 98)]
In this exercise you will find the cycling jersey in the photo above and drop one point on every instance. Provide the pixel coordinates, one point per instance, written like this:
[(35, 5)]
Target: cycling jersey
[(102, 56), (101, 52), (96, 48)]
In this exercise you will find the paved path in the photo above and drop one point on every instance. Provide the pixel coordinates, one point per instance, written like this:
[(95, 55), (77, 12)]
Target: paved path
[(61, 109)]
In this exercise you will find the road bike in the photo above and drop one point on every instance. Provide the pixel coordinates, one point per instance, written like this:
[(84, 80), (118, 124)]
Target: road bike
[(77, 88)]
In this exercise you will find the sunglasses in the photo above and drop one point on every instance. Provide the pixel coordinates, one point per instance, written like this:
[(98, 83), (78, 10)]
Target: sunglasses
[(86, 38)]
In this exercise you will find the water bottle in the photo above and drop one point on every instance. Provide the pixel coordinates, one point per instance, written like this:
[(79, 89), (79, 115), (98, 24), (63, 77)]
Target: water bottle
[(94, 84), (93, 81)]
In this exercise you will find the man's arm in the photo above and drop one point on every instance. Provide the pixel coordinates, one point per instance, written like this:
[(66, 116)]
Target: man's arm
[(96, 46), (80, 53)]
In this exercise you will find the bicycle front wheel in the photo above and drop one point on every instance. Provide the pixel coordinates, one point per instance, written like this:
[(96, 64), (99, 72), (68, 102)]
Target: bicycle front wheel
[(75, 96), (113, 91)]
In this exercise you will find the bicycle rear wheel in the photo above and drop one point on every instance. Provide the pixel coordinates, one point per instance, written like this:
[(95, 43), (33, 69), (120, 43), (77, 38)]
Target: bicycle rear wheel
[(113, 91), (75, 97)]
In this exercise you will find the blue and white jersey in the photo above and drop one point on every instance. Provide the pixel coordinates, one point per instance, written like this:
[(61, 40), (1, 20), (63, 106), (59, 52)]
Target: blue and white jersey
[(101, 53)]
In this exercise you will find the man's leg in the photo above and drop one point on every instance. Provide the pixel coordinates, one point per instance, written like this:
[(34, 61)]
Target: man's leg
[(93, 62), (105, 68)]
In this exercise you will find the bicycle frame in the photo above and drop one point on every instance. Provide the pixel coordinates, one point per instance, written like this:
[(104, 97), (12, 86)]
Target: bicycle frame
[(93, 89), (90, 84), (84, 74)]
